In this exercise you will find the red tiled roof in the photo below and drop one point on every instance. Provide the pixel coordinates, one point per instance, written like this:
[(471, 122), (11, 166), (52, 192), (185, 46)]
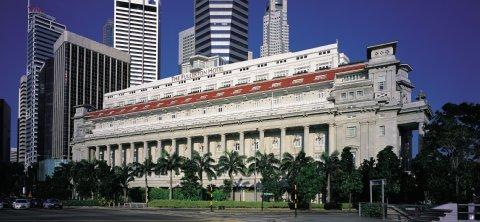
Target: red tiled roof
[(275, 84)]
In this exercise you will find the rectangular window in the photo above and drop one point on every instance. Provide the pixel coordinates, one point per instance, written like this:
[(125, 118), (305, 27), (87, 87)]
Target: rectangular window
[(261, 77), (359, 93), (382, 130), (344, 96), (196, 89), (351, 95), (351, 131), (226, 84), (243, 81), (279, 74), (381, 83), (321, 95), (210, 87), (168, 95), (298, 97), (181, 92)]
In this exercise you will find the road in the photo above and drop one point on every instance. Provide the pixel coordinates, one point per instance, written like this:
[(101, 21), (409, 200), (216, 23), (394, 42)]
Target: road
[(149, 215)]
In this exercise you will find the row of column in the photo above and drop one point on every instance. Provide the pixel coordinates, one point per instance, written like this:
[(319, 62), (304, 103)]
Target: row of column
[(121, 150)]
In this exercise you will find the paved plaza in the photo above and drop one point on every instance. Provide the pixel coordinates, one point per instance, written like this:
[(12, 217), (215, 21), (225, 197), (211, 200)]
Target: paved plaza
[(107, 214)]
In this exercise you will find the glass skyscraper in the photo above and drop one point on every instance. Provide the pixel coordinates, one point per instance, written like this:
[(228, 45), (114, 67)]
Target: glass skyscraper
[(42, 31), (221, 28)]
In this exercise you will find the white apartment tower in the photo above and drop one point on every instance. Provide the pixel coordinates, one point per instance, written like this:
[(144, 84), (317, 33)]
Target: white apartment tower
[(136, 31), (186, 45), (275, 29)]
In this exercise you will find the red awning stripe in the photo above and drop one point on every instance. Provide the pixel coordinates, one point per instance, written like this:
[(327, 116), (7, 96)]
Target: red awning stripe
[(275, 84)]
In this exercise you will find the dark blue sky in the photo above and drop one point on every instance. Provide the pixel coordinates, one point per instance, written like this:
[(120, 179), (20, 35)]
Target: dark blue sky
[(439, 38)]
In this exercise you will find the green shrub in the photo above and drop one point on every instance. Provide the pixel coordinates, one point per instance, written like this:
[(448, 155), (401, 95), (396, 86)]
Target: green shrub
[(372, 210), (333, 206), (81, 203), (219, 195), (206, 204), (158, 193)]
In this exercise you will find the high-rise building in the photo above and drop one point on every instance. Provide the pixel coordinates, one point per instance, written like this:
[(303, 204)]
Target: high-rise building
[(13, 155), (107, 33), (221, 28), (84, 70), (137, 31), (186, 45), (43, 31), (5, 113), (45, 110), (275, 29), (22, 118)]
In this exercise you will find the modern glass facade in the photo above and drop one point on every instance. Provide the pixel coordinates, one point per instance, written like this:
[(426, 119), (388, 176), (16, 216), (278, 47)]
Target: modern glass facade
[(42, 31), (84, 70), (221, 28), (108, 33)]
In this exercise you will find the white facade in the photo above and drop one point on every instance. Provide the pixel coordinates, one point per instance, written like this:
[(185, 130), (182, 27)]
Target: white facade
[(186, 45), (137, 31), (275, 29), (311, 100), (212, 77)]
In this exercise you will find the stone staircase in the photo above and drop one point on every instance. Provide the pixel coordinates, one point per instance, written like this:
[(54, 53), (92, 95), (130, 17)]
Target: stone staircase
[(415, 213)]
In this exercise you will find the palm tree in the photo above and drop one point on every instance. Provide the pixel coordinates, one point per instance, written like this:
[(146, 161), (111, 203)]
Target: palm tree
[(169, 163), (205, 164), (146, 169), (231, 163), (258, 163), (291, 165), (331, 164), (124, 175)]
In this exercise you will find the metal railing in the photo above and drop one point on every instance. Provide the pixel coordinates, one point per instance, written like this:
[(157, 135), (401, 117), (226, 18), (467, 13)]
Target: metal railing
[(468, 211)]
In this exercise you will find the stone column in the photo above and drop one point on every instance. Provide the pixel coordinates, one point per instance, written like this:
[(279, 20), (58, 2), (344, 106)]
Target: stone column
[(159, 151), (174, 146), (331, 138), (261, 141), (97, 152), (421, 133), (283, 142), (109, 155), (132, 152), (188, 153), (118, 155), (205, 145), (306, 141), (241, 141), (223, 141), (145, 151)]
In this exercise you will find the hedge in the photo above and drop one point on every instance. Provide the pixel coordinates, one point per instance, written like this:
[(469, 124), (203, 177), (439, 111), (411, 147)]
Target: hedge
[(226, 204), (206, 204), (372, 210)]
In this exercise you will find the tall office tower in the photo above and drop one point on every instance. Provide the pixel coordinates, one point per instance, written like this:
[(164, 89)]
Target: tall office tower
[(275, 29), (107, 33), (221, 28), (45, 109), (137, 31), (186, 45), (43, 31), (84, 70), (22, 119), (5, 113)]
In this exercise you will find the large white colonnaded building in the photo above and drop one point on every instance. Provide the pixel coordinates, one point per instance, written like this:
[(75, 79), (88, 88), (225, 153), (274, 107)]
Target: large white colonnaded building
[(315, 100)]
